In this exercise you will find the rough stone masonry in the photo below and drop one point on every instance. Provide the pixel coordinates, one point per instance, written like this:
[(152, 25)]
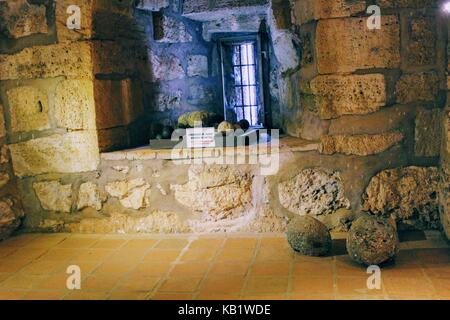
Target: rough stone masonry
[(366, 111)]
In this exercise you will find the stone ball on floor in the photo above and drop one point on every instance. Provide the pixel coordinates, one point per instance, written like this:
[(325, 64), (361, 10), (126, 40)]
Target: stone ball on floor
[(308, 236), (372, 240)]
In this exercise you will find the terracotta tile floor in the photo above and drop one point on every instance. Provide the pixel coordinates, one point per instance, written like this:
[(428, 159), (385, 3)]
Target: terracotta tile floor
[(33, 266)]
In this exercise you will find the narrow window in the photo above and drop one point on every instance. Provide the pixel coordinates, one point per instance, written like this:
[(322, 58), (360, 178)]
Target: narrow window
[(241, 76)]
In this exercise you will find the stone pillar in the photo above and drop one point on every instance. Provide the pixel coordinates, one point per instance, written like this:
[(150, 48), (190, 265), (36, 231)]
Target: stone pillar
[(65, 94)]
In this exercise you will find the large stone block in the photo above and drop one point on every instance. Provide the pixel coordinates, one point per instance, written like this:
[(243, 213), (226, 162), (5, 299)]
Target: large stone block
[(197, 66), (28, 108), (207, 10), (422, 38), (54, 196), (69, 153), (313, 192), (166, 67), (308, 10), (132, 194), (126, 57), (409, 194), (89, 196), (169, 30), (428, 133), (72, 60), (74, 106), (168, 101), (2, 122), (219, 192), (117, 102), (201, 95), (417, 87), (388, 119), (10, 216), (18, 18), (415, 4), (121, 7), (346, 45), (353, 94), (152, 5), (360, 145)]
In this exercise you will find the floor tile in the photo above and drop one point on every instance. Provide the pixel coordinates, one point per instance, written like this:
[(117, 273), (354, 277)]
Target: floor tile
[(266, 285), (180, 284), (223, 285), (189, 269)]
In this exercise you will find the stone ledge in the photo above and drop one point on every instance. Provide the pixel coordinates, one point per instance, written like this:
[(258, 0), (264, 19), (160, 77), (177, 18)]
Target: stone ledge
[(287, 144)]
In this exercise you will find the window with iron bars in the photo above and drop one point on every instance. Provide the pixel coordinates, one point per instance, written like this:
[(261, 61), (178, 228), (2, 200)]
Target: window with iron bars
[(242, 85)]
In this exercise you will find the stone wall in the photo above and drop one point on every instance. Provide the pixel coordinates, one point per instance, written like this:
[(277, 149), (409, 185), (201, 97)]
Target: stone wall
[(370, 103), (444, 194), (184, 76), (365, 91)]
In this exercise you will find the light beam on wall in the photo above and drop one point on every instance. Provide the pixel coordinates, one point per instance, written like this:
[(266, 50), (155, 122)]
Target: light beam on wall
[(446, 7)]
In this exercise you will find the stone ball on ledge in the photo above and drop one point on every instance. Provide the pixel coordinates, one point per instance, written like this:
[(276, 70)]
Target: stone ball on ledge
[(372, 240), (308, 236)]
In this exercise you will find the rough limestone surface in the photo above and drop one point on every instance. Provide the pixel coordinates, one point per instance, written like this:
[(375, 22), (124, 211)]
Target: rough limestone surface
[(121, 223), (132, 194), (358, 48), (313, 192), (308, 236), (337, 95), (285, 50), (166, 67), (416, 4), (152, 5), (18, 18), (2, 122), (428, 133), (360, 145), (28, 108), (75, 105), (422, 41), (198, 66), (10, 217), (417, 87), (89, 196), (218, 192), (170, 30), (4, 179), (69, 153), (308, 10), (372, 240), (201, 95), (54, 196), (72, 60), (410, 195), (168, 101)]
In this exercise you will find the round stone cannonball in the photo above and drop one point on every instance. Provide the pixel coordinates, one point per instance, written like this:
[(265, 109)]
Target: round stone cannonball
[(308, 236), (225, 126), (244, 124), (372, 240)]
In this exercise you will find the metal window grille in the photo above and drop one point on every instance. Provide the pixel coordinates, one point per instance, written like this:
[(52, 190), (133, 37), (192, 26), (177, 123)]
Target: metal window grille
[(241, 76), (245, 86)]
